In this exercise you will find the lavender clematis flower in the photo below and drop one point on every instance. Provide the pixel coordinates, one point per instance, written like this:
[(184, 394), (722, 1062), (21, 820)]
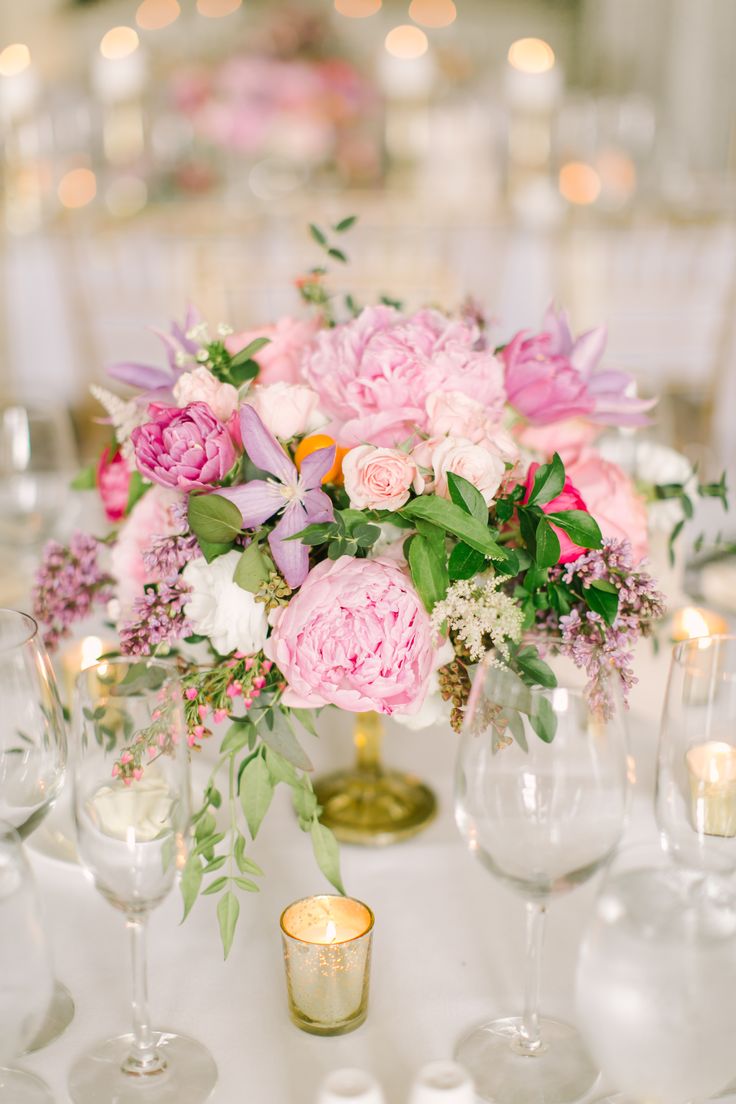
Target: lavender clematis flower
[(298, 494), (158, 382)]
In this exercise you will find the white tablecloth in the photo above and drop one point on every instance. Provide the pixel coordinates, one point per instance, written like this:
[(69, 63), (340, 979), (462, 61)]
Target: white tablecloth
[(448, 947)]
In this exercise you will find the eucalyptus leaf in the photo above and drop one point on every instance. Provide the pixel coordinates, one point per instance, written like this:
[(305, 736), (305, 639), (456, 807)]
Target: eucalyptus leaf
[(214, 518), (251, 569), (236, 736), (256, 791), (345, 224), (215, 887), (327, 854), (191, 880), (543, 719), (228, 910), (281, 739)]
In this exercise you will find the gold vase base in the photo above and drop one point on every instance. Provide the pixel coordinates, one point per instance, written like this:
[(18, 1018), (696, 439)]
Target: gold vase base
[(374, 808)]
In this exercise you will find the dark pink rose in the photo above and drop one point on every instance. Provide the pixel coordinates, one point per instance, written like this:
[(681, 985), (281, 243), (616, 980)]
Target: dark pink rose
[(187, 449), (113, 483), (568, 499)]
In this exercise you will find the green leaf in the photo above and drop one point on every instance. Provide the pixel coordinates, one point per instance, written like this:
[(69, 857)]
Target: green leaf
[(211, 551), (316, 533), (281, 739), (345, 224), (453, 520), (602, 601), (251, 569), (428, 572), (244, 864), (236, 737), (280, 769), (672, 539), (136, 490), (535, 668), (510, 564), (549, 482), (86, 479), (504, 509), (214, 518), (327, 854), (305, 803), (337, 254), (244, 883), (242, 373), (535, 577), (317, 234), (465, 562), (516, 727), (249, 351), (306, 719), (211, 867), (528, 525), (543, 719), (256, 791), (228, 910), (580, 526), (191, 880), (366, 535), (548, 544), (467, 497)]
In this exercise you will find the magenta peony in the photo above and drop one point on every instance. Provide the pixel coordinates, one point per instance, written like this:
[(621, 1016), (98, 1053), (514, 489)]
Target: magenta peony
[(185, 449), (374, 374), (113, 484), (356, 636), (568, 499)]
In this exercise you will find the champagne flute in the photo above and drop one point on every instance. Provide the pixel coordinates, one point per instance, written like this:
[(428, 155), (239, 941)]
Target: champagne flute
[(26, 980), (132, 809), (656, 980), (696, 770), (542, 814), (32, 754)]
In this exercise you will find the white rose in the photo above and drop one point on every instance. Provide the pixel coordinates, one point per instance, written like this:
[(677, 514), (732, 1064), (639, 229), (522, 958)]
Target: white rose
[(221, 610), (481, 467), (200, 385), (287, 409)]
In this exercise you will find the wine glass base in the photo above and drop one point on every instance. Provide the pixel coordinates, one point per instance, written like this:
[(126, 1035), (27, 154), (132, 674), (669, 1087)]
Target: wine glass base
[(58, 1018), (560, 1073), (19, 1087), (374, 808), (189, 1077)]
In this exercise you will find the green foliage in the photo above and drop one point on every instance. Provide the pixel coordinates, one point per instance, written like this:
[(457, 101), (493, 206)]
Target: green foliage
[(428, 571), (580, 526), (327, 853), (468, 497), (86, 479), (214, 519), (602, 597), (549, 482), (455, 520), (136, 490), (252, 569)]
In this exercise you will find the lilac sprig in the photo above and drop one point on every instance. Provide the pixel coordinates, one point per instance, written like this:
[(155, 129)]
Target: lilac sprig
[(68, 584), (158, 618), (166, 556)]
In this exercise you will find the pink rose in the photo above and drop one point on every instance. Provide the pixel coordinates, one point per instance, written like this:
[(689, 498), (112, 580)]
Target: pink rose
[(379, 478), (287, 409), (113, 484), (187, 449), (456, 414), (357, 636), (281, 359), (375, 373), (612, 500), (200, 385), (153, 515), (476, 463), (568, 499)]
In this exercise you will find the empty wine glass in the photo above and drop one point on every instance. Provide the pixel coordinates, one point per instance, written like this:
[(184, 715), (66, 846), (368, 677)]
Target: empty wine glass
[(32, 754), (26, 980), (696, 772), (542, 813), (132, 809), (656, 980)]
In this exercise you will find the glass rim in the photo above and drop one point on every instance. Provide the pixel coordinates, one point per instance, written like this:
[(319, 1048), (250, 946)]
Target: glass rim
[(695, 643), (30, 622), (328, 897)]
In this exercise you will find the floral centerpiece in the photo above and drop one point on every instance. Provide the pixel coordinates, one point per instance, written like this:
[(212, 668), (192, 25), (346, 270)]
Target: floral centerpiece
[(351, 512)]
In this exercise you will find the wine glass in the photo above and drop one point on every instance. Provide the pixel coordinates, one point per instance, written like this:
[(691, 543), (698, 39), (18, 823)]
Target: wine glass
[(656, 980), (32, 754), (132, 809), (542, 813), (26, 980), (696, 772)]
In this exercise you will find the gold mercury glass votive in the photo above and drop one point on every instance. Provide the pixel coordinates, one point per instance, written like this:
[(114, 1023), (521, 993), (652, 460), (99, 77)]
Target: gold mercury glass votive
[(712, 773), (327, 955)]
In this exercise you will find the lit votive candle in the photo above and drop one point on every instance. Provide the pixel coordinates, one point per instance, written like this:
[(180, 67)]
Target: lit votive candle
[(712, 772), (692, 622), (77, 658), (327, 954)]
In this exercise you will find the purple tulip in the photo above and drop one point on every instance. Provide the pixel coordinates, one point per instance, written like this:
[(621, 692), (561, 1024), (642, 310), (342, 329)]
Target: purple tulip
[(187, 449)]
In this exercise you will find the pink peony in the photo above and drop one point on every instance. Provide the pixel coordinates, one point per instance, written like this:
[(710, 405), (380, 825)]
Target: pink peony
[(287, 409), (459, 415), (566, 438), (200, 385), (379, 478), (568, 499), (479, 465), (374, 374), (154, 515), (356, 636), (113, 484), (551, 377), (612, 499), (186, 449), (289, 340)]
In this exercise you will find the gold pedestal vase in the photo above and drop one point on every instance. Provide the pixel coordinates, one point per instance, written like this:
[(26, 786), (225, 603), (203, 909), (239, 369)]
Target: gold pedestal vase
[(369, 804)]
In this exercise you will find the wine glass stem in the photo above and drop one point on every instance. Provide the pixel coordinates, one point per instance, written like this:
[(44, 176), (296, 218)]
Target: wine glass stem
[(143, 1059), (529, 1040)]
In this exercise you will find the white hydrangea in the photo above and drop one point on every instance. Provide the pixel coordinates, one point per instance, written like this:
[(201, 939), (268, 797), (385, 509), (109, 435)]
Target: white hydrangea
[(476, 612), (221, 610)]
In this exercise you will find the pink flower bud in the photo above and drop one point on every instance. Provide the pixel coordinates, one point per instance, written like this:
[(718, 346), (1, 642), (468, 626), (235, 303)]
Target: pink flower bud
[(234, 690), (137, 774), (220, 715), (247, 702), (126, 757), (191, 693), (249, 663), (203, 711), (259, 682), (266, 665)]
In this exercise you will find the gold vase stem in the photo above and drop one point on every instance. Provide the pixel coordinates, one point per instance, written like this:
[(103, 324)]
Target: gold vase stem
[(367, 737)]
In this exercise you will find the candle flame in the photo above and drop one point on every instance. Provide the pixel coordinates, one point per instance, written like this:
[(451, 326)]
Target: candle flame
[(331, 931), (91, 651), (694, 626)]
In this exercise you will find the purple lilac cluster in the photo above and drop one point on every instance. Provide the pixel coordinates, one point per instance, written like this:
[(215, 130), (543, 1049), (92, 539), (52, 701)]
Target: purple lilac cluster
[(158, 618), (166, 556), (587, 639), (68, 584)]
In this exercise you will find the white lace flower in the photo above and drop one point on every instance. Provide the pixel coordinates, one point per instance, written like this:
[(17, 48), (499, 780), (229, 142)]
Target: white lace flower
[(124, 415), (478, 612)]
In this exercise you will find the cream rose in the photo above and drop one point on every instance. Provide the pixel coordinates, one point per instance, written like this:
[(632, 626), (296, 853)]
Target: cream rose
[(482, 468), (200, 385), (287, 409), (379, 478), (218, 608)]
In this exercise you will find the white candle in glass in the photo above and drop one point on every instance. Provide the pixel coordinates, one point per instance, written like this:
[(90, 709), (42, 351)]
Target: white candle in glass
[(353, 1085), (442, 1083), (712, 773)]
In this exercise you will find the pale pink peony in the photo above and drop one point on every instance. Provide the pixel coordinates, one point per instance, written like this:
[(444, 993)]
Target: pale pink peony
[(154, 515), (281, 360), (479, 465), (357, 636), (379, 478), (375, 373), (113, 484), (200, 385), (612, 499), (187, 449), (457, 414), (287, 409), (569, 498), (566, 438)]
